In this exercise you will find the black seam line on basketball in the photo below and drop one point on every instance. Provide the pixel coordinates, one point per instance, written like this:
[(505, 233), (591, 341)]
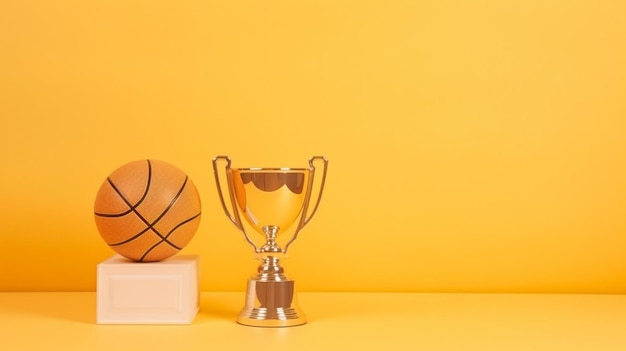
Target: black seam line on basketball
[(148, 228), (131, 238), (151, 225), (143, 197), (168, 234), (108, 215)]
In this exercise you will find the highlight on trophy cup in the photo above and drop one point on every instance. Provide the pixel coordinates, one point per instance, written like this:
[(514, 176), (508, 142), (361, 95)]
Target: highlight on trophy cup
[(270, 200)]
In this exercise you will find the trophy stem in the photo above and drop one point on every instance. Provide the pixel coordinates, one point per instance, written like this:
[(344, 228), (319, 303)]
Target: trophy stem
[(271, 298), (271, 246)]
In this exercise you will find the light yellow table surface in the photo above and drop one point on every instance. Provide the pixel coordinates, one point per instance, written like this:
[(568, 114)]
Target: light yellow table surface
[(337, 321)]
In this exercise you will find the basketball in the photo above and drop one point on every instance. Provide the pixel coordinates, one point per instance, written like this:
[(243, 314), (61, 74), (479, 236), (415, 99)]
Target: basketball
[(147, 210)]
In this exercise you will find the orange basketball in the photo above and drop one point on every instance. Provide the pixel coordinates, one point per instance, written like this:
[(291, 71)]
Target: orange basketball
[(147, 210)]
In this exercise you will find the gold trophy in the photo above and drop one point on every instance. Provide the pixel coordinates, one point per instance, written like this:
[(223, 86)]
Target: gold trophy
[(270, 200)]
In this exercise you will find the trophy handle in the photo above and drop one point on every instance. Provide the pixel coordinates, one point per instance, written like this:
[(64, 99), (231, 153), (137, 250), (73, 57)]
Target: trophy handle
[(304, 220), (232, 218), (235, 216)]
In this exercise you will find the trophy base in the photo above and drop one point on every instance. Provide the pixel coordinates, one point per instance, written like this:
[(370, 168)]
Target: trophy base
[(271, 304)]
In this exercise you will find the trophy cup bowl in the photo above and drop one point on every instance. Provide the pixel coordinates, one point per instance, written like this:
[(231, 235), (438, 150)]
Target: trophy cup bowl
[(271, 201)]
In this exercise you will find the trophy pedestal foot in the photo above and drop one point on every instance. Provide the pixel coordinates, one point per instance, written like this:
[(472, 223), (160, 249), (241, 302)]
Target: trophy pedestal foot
[(271, 304), (165, 292)]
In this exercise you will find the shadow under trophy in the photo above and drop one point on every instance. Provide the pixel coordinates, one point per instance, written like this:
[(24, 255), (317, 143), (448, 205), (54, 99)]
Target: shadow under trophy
[(270, 200)]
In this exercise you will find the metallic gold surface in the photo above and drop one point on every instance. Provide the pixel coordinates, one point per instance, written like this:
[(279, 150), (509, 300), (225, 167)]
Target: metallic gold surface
[(270, 200), (267, 197)]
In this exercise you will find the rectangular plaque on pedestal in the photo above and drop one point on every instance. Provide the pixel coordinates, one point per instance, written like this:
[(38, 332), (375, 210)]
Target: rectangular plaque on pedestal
[(165, 292)]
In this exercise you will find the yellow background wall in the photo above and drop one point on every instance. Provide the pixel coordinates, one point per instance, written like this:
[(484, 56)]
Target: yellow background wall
[(473, 145)]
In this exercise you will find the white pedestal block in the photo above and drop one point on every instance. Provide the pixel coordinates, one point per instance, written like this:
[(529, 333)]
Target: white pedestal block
[(165, 292)]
